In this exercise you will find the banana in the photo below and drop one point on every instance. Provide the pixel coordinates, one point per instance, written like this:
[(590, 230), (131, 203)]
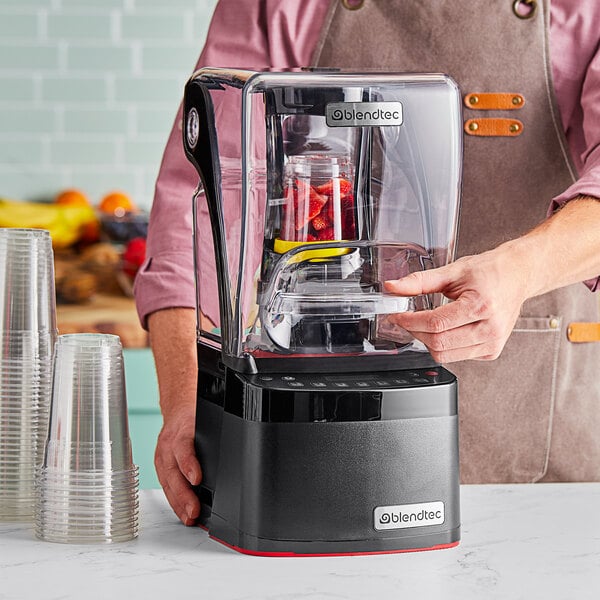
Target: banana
[(65, 223)]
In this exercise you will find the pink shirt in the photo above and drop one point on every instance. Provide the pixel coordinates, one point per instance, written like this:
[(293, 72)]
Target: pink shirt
[(284, 33)]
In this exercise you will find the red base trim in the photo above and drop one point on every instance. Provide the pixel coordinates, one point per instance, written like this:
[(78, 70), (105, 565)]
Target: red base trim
[(298, 555)]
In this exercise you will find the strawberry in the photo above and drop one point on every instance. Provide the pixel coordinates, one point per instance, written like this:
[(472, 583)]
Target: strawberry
[(327, 188), (310, 237), (316, 201), (346, 207), (321, 221), (325, 234), (349, 226)]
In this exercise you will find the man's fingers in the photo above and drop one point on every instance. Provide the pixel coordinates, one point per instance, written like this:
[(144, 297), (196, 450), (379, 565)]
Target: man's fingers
[(485, 351), (450, 316), (185, 455), (421, 282), (182, 499), (180, 496), (187, 511), (479, 340)]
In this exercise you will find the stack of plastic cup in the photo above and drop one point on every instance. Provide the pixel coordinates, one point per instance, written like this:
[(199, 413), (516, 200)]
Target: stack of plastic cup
[(88, 484), (28, 334)]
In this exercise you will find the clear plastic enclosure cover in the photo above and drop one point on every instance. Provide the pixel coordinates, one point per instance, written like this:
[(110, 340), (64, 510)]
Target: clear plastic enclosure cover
[(329, 185)]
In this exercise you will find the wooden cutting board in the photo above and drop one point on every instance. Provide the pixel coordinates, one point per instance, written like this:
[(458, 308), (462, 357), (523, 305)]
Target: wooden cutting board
[(104, 314)]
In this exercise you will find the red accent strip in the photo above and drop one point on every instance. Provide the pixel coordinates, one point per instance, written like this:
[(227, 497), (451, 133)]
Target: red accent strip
[(294, 554)]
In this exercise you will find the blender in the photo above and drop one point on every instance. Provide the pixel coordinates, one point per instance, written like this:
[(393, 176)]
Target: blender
[(322, 427)]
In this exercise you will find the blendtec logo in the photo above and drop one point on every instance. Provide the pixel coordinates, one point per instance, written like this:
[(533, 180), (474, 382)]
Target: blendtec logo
[(409, 515), (363, 114)]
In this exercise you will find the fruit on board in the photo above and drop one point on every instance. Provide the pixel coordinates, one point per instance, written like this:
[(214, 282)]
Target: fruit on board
[(117, 203), (65, 222), (72, 197), (77, 286), (133, 256)]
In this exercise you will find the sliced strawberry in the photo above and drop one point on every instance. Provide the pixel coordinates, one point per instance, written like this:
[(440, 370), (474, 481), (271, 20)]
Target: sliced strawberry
[(327, 188), (321, 221), (348, 201), (346, 213), (304, 213), (349, 226), (325, 234)]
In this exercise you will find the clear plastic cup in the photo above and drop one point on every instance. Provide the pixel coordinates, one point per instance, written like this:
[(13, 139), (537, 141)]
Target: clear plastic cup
[(87, 486), (88, 426), (28, 299)]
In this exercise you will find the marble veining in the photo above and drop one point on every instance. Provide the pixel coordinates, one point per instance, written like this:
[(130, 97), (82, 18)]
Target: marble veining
[(519, 542)]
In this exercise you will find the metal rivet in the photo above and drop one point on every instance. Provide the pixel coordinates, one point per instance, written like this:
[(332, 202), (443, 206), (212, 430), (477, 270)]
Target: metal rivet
[(473, 99), (473, 126), (553, 323), (514, 127), (517, 100), (353, 4), (525, 9)]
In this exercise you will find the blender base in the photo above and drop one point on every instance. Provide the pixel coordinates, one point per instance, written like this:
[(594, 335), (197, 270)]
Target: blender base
[(327, 464), (260, 547)]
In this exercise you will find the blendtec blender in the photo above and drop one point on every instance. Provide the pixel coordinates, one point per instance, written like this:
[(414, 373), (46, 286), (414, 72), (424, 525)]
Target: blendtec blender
[(322, 427)]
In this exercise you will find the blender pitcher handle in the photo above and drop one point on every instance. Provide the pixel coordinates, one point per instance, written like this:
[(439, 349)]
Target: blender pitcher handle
[(201, 148)]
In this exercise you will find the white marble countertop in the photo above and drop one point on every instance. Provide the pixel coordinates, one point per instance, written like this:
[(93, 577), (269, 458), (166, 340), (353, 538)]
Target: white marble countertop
[(518, 542)]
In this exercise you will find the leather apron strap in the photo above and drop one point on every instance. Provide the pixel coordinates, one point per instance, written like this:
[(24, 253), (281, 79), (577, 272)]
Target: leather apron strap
[(516, 417)]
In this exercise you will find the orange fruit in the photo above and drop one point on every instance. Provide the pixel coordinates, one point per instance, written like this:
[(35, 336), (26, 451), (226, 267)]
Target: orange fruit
[(117, 204), (72, 197)]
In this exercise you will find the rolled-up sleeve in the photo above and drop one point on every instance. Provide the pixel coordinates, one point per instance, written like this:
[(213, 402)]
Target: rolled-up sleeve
[(588, 182), (588, 160)]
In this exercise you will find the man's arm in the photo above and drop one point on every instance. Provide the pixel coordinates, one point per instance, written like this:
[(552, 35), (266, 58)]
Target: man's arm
[(488, 289), (173, 341)]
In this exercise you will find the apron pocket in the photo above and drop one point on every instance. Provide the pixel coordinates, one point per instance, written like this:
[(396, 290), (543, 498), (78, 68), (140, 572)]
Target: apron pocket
[(506, 406)]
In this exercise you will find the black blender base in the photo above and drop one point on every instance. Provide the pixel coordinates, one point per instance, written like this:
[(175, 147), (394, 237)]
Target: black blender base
[(255, 546), (328, 464)]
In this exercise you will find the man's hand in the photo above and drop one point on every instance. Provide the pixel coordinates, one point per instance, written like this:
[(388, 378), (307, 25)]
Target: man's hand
[(177, 466), (173, 340), (488, 291)]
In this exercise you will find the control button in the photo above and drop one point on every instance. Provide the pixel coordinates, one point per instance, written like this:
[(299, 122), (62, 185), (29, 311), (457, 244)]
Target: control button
[(431, 373), (318, 384), (288, 378), (341, 384), (421, 380), (266, 378), (295, 384), (381, 382), (414, 374), (362, 384), (401, 381)]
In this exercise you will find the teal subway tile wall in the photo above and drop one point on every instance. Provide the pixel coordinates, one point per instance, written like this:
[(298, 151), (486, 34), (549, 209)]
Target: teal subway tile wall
[(88, 93), (91, 88)]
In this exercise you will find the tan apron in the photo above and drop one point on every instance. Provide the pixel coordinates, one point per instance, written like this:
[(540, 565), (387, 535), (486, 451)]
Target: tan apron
[(533, 414)]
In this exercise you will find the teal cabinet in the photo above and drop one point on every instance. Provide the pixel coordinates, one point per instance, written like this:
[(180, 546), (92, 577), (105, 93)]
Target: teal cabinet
[(145, 419)]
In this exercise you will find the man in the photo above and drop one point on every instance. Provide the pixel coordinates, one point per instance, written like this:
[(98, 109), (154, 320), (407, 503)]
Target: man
[(533, 413)]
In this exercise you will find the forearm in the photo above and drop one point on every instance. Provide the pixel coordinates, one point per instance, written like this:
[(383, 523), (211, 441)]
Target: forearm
[(173, 342), (563, 250)]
